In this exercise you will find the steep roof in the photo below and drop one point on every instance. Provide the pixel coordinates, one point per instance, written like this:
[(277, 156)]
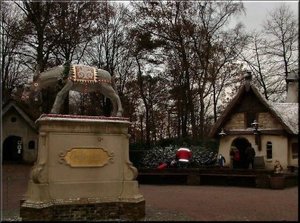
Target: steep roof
[(285, 113), (288, 113), (12, 104)]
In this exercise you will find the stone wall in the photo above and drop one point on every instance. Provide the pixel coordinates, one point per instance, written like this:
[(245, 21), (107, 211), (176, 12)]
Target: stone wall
[(85, 212), (266, 121), (237, 121)]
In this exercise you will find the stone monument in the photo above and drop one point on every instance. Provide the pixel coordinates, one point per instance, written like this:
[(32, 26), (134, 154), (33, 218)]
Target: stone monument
[(83, 171)]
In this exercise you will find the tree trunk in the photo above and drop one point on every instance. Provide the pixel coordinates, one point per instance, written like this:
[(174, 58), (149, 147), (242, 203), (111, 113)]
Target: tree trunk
[(140, 81)]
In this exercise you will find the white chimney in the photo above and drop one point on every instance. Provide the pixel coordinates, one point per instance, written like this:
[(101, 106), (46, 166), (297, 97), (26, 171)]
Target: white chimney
[(293, 87)]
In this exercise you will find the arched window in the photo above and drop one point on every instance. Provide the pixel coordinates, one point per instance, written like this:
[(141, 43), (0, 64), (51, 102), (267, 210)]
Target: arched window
[(269, 150), (31, 144)]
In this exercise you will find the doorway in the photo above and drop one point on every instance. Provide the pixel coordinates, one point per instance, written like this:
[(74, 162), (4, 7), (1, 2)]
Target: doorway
[(12, 150), (241, 144)]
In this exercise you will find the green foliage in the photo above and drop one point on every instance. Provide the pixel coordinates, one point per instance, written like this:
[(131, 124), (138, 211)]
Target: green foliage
[(204, 152), (153, 157)]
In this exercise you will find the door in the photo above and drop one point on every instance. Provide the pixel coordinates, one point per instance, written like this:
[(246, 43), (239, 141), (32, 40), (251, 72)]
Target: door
[(13, 149), (241, 144)]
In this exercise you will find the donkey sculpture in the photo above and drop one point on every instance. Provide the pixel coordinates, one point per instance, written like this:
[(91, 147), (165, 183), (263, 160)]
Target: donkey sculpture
[(80, 78)]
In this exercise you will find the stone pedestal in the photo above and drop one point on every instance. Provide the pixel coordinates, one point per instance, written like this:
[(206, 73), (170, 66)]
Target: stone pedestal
[(82, 171)]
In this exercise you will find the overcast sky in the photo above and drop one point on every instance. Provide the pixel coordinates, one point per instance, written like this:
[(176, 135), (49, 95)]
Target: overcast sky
[(257, 11)]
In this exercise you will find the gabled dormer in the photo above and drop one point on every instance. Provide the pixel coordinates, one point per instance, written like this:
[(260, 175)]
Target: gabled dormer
[(249, 105)]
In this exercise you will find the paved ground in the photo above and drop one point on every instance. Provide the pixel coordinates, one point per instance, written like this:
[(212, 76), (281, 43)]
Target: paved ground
[(212, 203), (180, 203)]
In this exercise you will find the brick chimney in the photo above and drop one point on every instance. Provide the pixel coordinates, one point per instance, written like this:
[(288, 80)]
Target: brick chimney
[(292, 87), (248, 79)]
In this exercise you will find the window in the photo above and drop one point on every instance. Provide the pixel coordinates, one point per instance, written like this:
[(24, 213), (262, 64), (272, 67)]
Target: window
[(294, 150), (31, 144), (13, 119), (269, 150), (250, 117)]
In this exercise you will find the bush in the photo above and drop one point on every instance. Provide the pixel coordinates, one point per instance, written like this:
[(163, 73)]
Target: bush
[(157, 155), (153, 157)]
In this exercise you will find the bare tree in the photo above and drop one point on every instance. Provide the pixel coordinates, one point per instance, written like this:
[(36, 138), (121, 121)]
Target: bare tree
[(264, 68), (74, 22), (165, 21), (41, 37), (193, 34), (271, 55), (281, 27), (109, 50), (13, 71), (57, 30), (41, 40), (216, 48), (147, 81), (222, 69)]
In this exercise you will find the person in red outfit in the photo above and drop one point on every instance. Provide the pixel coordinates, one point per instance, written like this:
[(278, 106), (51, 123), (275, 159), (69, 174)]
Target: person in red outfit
[(183, 156)]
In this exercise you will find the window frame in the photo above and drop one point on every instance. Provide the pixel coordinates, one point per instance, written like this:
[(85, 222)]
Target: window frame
[(294, 147), (269, 150), (249, 119)]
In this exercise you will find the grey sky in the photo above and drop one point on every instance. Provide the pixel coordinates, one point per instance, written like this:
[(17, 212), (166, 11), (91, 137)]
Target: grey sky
[(257, 11)]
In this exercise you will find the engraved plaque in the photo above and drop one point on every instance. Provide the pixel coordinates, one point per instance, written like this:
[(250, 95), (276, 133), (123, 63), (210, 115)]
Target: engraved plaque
[(87, 157)]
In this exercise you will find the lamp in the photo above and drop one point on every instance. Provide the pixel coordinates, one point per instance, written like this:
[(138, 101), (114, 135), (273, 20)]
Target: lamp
[(222, 133), (255, 127), (256, 132)]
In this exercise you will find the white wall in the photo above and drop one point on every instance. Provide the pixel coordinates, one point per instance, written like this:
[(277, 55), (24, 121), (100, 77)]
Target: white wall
[(279, 148)]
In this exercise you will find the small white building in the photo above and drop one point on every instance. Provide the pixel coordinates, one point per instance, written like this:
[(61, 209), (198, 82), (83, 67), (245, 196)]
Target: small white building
[(271, 128), (19, 135)]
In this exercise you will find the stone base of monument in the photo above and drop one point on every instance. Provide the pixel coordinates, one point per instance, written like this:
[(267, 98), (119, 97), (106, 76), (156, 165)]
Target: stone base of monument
[(83, 211), (83, 171)]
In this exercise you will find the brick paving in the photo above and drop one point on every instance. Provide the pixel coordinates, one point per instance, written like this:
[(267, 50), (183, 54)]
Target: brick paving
[(178, 202)]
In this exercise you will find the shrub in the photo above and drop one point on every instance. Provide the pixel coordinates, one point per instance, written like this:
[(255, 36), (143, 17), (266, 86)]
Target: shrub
[(157, 155)]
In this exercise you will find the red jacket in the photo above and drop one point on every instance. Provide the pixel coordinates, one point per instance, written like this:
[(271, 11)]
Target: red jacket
[(183, 155)]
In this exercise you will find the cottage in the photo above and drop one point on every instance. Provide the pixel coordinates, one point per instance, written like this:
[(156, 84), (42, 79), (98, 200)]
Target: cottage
[(19, 135), (271, 128)]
